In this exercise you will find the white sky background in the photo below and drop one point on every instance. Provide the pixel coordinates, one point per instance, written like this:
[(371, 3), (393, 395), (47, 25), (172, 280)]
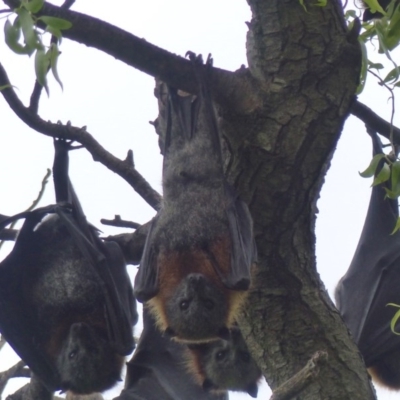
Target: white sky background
[(116, 102)]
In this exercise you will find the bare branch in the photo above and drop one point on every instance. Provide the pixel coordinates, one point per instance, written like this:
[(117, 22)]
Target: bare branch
[(302, 379), (9, 233), (120, 223), (121, 167), (377, 123)]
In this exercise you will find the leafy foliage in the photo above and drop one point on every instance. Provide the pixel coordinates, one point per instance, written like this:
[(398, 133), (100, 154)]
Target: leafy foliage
[(25, 25)]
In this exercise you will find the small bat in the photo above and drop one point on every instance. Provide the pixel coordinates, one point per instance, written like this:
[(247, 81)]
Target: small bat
[(157, 369), (195, 267), (371, 283), (66, 301), (225, 365)]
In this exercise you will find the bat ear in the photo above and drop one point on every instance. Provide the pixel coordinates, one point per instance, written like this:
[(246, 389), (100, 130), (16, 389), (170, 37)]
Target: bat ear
[(170, 332), (224, 333), (252, 390)]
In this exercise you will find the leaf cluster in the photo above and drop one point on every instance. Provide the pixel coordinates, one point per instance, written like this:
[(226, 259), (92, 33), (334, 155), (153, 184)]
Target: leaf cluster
[(25, 26), (388, 175)]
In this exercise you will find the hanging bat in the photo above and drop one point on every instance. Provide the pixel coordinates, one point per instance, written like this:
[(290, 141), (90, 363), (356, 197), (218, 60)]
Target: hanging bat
[(371, 283), (66, 301), (224, 365), (195, 267), (157, 369)]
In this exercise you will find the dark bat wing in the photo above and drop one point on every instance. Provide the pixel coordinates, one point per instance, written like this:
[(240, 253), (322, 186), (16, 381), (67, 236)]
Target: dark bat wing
[(243, 247), (106, 260), (244, 250), (157, 370), (373, 278), (17, 323), (146, 280)]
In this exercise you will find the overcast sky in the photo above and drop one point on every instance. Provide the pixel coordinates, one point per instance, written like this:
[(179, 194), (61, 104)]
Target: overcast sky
[(116, 102)]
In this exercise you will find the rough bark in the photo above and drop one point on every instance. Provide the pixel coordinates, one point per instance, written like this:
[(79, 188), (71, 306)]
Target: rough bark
[(282, 151)]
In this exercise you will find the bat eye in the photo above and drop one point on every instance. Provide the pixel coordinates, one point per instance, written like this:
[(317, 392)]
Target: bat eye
[(245, 356), (72, 355), (220, 355), (184, 304), (209, 304)]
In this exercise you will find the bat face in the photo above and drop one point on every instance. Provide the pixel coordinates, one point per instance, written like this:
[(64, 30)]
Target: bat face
[(87, 362), (157, 369), (192, 303), (66, 301), (225, 365)]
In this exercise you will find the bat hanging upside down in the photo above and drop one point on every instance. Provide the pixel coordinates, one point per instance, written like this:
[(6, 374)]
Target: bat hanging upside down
[(367, 292), (195, 267), (66, 301)]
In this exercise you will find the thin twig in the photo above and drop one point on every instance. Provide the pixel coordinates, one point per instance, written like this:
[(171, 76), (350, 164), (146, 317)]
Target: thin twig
[(120, 223), (36, 201), (302, 379), (383, 83)]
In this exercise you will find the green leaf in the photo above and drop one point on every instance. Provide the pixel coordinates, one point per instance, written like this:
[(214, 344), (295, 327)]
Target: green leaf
[(374, 6), (54, 53), (42, 63), (5, 87), (370, 171), (364, 69), (55, 32), (395, 177), (57, 23), (394, 320), (393, 75), (12, 33), (321, 3), (34, 5), (303, 5), (30, 35), (383, 175), (350, 14), (397, 226)]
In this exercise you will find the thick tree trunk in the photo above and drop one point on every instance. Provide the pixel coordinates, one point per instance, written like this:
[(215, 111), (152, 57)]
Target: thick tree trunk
[(307, 67)]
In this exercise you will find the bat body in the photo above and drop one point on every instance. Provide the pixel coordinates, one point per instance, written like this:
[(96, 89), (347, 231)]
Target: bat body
[(370, 284), (195, 267), (225, 365), (157, 369), (66, 301)]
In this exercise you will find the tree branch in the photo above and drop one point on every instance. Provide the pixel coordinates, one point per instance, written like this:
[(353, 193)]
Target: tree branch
[(120, 223), (374, 121), (229, 88), (123, 168)]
